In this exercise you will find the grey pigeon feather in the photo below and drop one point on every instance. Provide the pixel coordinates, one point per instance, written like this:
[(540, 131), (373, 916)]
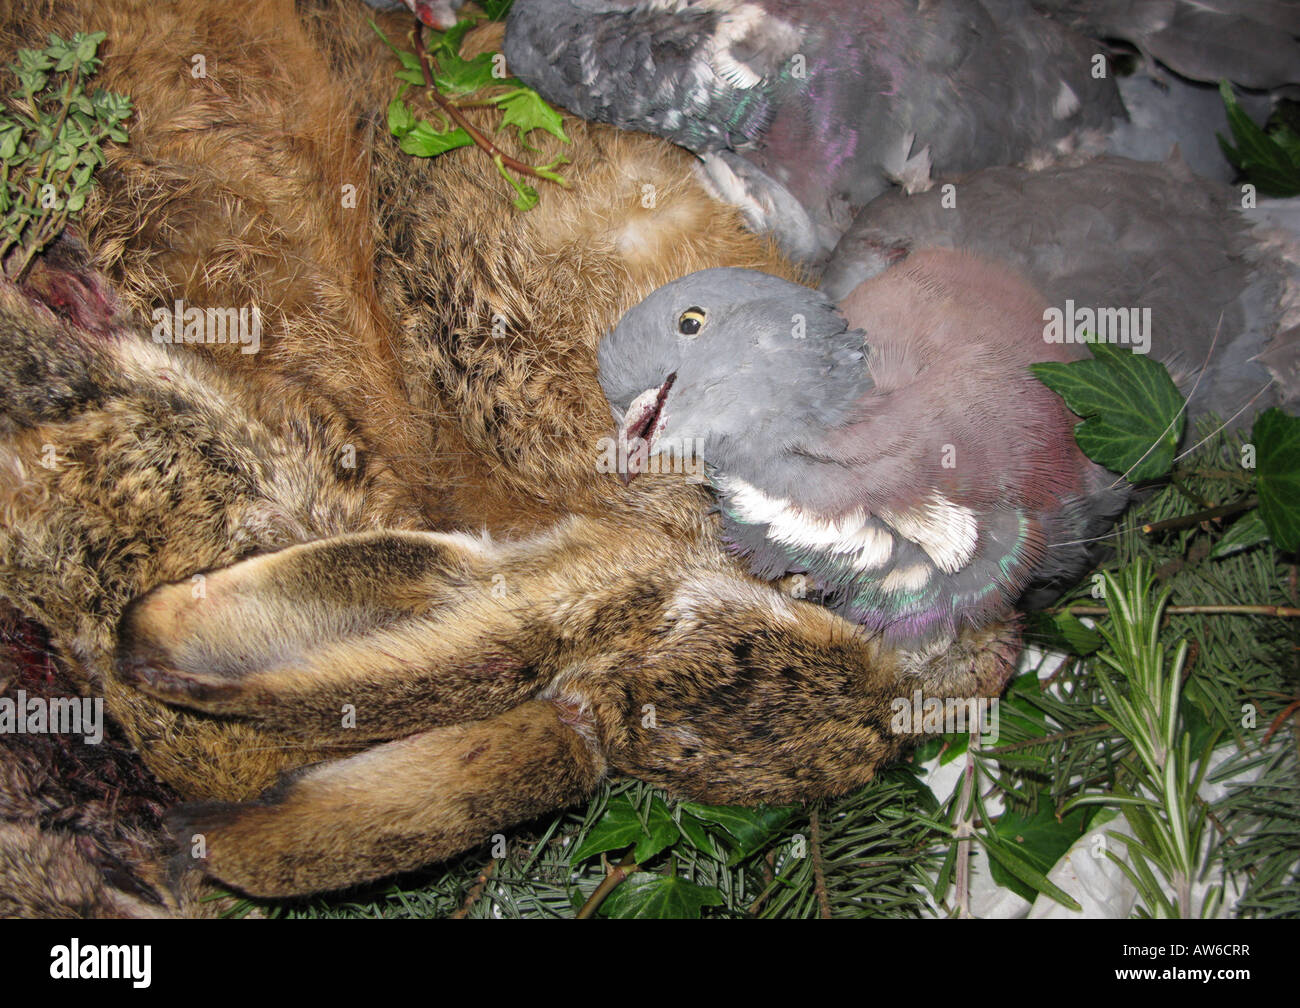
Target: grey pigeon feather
[(1254, 43), (803, 110), (1168, 113), (1121, 233)]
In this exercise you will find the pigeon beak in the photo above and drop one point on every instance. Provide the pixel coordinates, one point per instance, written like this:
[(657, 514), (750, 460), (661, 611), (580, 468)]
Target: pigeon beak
[(642, 425)]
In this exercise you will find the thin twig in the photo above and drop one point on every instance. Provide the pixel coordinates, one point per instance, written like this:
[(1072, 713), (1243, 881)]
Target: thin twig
[(1060, 736), (1288, 612), (475, 892), (768, 867), (1187, 521), (965, 829), (608, 884), (460, 120), (1286, 712), (819, 872)]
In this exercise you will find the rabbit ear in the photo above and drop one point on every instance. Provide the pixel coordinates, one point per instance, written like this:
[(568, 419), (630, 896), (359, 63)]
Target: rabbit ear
[(394, 807), (362, 637)]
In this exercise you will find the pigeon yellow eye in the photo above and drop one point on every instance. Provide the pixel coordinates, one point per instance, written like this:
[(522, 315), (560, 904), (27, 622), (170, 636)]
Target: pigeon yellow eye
[(691, 322)]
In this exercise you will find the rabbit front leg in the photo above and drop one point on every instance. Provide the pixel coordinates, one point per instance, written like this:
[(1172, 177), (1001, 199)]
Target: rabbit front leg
[(365, 636), (395, 807)]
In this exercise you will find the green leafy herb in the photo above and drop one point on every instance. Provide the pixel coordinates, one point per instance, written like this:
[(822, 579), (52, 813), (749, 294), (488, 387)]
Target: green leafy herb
[(447, 76), (526, 111), (422, 140), (51, 136), (1172, 842)]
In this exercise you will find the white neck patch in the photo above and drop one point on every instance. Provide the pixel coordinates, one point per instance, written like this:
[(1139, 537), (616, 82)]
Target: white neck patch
[(868, 545)]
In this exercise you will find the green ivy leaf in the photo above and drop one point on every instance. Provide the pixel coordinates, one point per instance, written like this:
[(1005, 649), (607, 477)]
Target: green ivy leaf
[(618, 828), (1269, 161), (643, 896), (525, 110), (751, 829), (1201, 727), (621, 827), (1277, 472), (696, 834), (956, 746), (1131, 409), (661, 831), (1247, 531), (424, 141)]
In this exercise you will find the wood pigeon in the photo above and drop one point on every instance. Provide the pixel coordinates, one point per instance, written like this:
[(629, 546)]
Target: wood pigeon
[(804, 109), (895, 449), (891, 444)]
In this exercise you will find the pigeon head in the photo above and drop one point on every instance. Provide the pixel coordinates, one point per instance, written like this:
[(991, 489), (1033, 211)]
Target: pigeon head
[(730, 365)]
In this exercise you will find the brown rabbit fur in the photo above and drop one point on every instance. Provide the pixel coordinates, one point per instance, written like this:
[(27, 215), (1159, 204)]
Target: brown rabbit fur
[(403, 688)]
